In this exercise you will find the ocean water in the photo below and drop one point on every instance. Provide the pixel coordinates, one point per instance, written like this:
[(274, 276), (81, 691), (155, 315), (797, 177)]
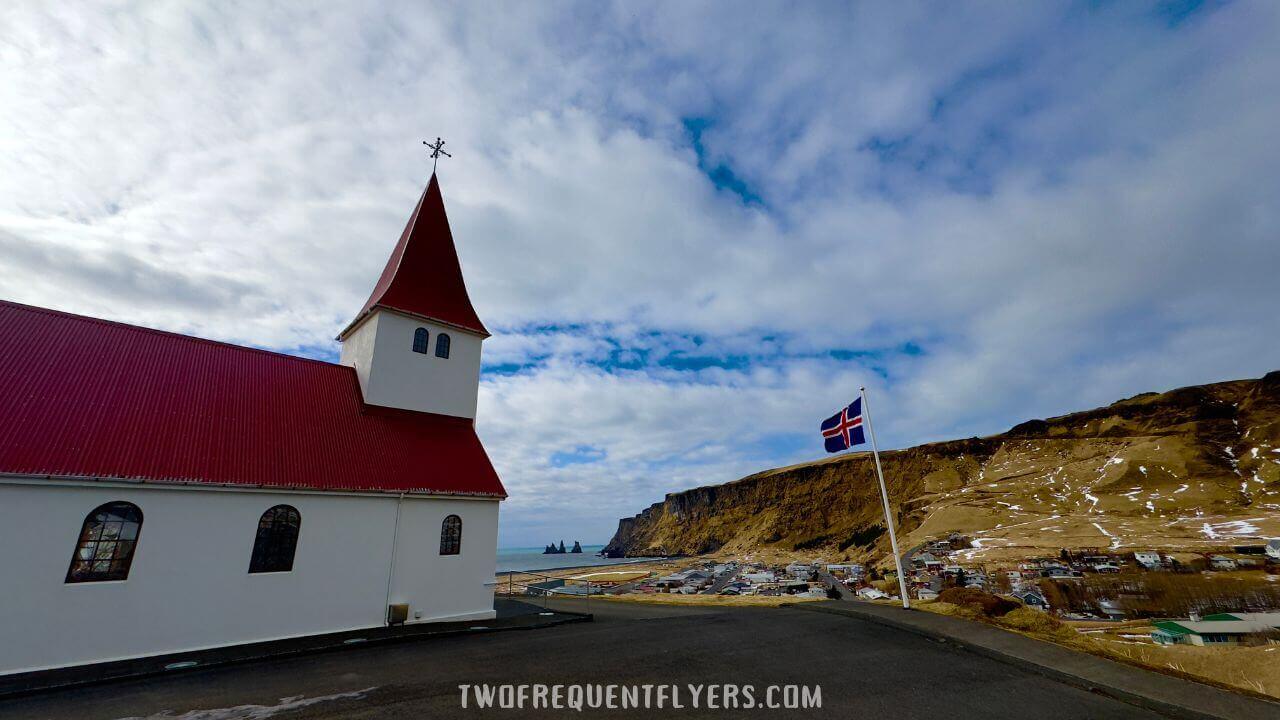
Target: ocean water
[(531, 558)]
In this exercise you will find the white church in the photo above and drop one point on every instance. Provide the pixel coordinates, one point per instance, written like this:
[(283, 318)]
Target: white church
[(162, 493)]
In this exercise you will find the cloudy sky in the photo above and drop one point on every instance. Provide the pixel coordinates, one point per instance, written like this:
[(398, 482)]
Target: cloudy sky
[(695, 229)]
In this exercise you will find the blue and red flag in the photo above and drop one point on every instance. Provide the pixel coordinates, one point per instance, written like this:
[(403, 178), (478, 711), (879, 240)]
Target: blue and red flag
[(844, 429)]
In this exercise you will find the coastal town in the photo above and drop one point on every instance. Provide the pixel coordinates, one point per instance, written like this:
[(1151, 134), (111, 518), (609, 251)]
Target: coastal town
[(1230, 597)]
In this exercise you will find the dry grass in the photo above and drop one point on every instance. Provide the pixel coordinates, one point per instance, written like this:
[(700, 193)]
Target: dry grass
[(612, 576), (519, 579), (707, 600), (1255, 669), (1251, 668)]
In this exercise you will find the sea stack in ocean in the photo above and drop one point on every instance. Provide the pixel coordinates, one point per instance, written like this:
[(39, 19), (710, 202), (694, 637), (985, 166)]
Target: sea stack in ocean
[(577, 547)]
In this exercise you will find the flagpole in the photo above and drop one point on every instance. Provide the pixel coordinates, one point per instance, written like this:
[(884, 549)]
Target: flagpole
[(884, 497)]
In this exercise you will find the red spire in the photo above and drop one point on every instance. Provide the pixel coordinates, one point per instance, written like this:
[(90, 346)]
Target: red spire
[(423, 276)]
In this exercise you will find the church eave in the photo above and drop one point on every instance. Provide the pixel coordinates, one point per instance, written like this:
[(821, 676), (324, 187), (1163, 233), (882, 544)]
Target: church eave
[(197, 484), (351, 327)]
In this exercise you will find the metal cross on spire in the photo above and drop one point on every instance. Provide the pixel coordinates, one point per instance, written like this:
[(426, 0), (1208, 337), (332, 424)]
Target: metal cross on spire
[(437, 149)]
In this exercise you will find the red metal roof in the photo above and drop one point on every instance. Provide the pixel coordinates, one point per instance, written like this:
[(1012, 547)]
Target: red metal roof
[(89, 398), (423, 276)]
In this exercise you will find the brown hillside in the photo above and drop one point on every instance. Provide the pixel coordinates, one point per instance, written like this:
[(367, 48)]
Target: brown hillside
[(1195, 468)]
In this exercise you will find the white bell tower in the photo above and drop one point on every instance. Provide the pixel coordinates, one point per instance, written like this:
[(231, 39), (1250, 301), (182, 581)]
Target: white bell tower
[(415, 345)]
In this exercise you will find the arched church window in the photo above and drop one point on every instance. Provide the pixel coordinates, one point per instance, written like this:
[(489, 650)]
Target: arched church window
[(442, 346), (107, 541), (277, 540), (451, 535), (421, 340)]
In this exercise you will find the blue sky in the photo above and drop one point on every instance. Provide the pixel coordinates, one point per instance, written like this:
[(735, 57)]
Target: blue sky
[(694, 231)]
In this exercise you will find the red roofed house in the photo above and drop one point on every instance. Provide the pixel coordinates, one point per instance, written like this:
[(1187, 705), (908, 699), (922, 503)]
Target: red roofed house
[(161, 493)]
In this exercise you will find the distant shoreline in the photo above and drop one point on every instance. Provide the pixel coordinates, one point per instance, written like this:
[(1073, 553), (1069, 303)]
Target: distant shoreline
[(620, 561)]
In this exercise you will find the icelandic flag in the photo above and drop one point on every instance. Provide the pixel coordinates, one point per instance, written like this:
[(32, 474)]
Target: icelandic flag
[(844, 429)]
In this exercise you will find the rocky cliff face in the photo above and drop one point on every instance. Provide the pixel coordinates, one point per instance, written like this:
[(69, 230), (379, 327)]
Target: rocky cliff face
[(1193, 468)]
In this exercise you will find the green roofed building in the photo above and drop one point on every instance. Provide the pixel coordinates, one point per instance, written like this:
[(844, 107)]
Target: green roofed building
[(1218, 629)]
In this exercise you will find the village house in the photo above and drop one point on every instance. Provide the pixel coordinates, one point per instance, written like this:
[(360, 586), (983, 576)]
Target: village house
[(848, 570), (1218, 629), (1273, 549), (927, 561), (1147, 559), (800, 570), (1111, 610), (1032, 599), (172, 493), (1222, 562)]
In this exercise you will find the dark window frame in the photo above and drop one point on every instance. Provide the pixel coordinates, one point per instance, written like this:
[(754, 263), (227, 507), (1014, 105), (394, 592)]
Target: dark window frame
[(99, 559), (443, 342), (421, 340), (275, 543), (451, 536)]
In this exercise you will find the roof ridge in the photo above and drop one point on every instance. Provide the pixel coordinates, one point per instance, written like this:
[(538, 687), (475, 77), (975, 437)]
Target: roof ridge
[(169, 333)]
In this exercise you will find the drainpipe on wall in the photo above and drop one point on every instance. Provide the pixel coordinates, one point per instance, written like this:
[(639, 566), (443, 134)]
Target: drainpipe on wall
[(391, 567)]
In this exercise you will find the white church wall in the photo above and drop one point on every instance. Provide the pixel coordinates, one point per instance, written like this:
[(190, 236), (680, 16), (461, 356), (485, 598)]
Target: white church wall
[(357, 350), (393, 375), (446, 587), (189, 586)]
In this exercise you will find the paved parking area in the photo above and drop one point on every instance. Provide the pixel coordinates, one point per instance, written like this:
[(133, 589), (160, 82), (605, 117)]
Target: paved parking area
[(864, 670)]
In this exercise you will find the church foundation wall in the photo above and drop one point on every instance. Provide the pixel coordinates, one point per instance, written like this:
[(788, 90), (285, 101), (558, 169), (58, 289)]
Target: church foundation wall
[(189, 587)]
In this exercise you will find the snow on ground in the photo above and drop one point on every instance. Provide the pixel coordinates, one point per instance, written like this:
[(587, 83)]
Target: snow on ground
[(978, 547), (1093, 499), (1231, 528), (257, 712), (1115, 541)]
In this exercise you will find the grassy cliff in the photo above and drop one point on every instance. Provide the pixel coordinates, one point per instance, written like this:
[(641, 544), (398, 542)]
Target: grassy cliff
[(1195, 468)]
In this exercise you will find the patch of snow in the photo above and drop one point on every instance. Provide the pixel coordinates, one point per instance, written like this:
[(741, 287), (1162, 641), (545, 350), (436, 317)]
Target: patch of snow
[(1115, 541), (256, 712), (1231, 528), (1091, 498)]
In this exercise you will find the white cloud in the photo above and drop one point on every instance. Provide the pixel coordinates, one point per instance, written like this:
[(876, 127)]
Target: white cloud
[(1057, 206)]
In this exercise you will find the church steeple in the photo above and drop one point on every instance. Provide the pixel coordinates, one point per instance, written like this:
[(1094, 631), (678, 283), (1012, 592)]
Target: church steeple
[(415, 345), (423, 277)]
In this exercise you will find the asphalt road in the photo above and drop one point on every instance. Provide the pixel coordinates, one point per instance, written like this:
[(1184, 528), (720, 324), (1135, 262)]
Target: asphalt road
[(845, 592), (721, 581), (863, 669)]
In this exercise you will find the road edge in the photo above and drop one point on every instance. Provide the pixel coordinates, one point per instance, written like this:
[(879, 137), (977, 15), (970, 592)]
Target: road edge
[(171, 664), (1238, 706)]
